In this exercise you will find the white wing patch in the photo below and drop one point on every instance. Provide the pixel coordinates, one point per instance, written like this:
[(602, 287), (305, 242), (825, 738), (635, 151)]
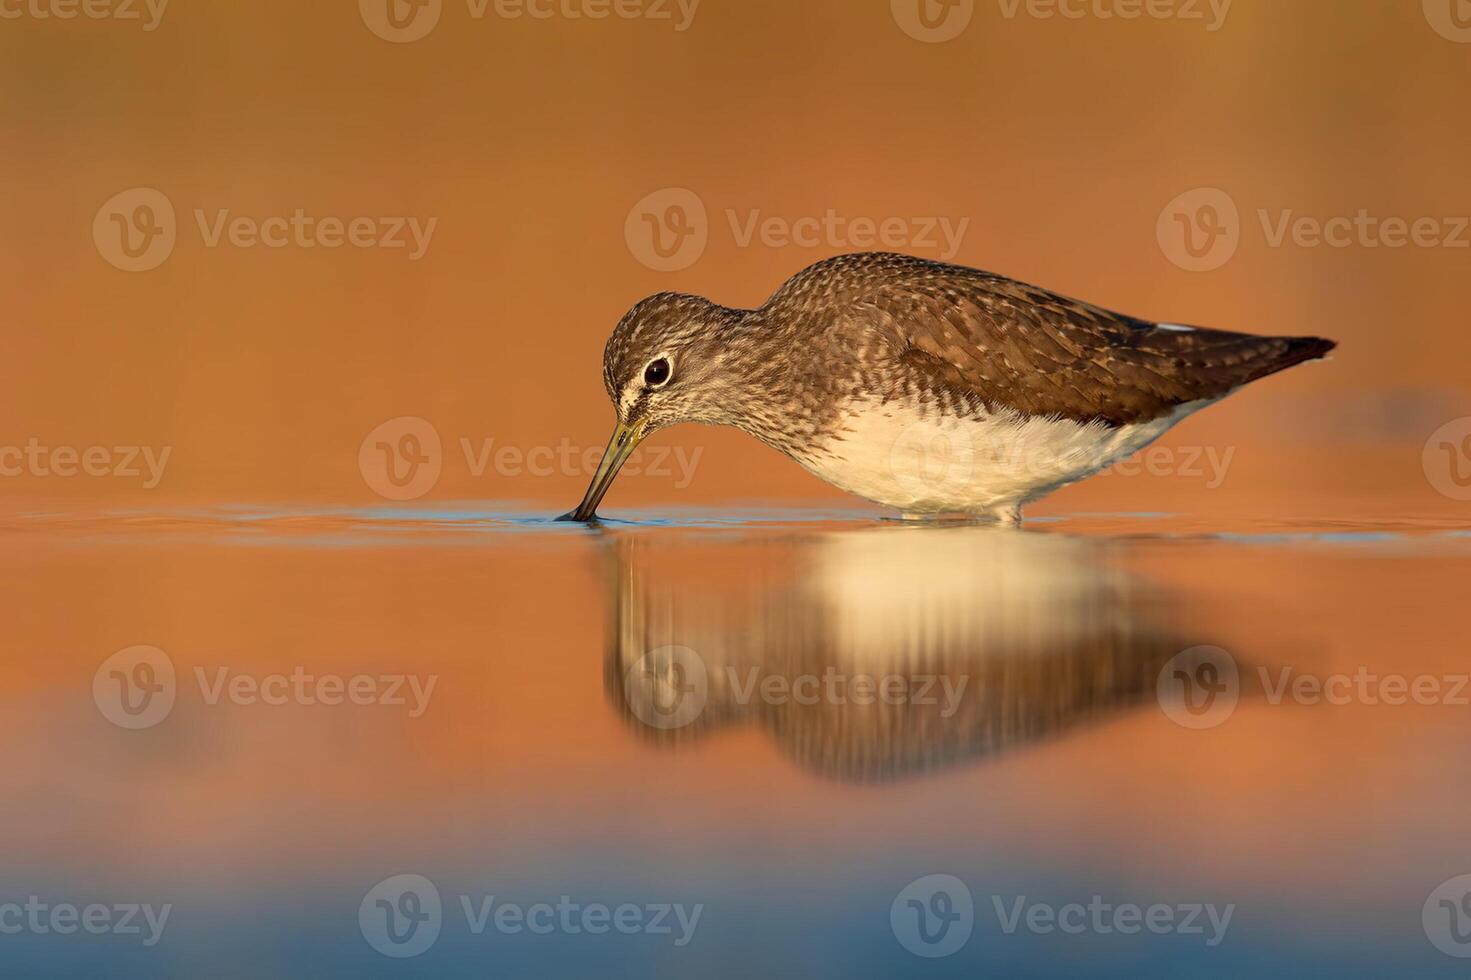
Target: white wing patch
[(1174, 328)]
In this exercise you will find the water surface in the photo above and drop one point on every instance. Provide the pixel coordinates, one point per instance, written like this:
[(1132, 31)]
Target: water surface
[(787, 719)]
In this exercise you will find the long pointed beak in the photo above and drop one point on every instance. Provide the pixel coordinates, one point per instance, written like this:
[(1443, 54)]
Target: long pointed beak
[(625, 439)]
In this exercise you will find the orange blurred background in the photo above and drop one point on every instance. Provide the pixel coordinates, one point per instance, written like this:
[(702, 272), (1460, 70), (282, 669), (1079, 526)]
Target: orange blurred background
[(530, 140), (540, 148)]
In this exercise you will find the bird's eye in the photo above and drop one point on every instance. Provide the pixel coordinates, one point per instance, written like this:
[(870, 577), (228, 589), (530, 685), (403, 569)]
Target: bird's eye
[(657, 373)]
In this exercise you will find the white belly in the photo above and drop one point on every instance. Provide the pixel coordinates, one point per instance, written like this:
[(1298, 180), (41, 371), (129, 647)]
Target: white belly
[(924, 465)]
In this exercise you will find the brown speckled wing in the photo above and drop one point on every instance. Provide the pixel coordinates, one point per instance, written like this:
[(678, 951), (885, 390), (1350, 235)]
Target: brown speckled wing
[(1007, 344)]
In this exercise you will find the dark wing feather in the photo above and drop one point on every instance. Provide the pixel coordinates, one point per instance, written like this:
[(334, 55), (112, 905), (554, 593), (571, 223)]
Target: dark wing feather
[(1026, 348)]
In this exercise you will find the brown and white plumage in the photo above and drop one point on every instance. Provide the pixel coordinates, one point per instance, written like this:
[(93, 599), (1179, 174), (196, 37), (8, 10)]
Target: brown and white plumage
[(1012, 345), (930, 387)]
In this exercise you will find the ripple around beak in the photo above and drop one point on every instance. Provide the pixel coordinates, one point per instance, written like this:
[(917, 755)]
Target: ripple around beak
[(571, 518), (624, 441)]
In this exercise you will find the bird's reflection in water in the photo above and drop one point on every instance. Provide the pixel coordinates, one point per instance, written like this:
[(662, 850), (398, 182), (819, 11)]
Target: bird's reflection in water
[(884, 653)]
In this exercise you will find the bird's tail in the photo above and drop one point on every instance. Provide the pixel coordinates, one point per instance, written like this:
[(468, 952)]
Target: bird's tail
[(1211, 363), (1272, 354)]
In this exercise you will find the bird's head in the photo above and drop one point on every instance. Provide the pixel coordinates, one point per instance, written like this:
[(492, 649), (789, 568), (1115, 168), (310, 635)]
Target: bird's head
[(668, 361)]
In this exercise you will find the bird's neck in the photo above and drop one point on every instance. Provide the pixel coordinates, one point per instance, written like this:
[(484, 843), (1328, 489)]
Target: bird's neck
[(772, 384)]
